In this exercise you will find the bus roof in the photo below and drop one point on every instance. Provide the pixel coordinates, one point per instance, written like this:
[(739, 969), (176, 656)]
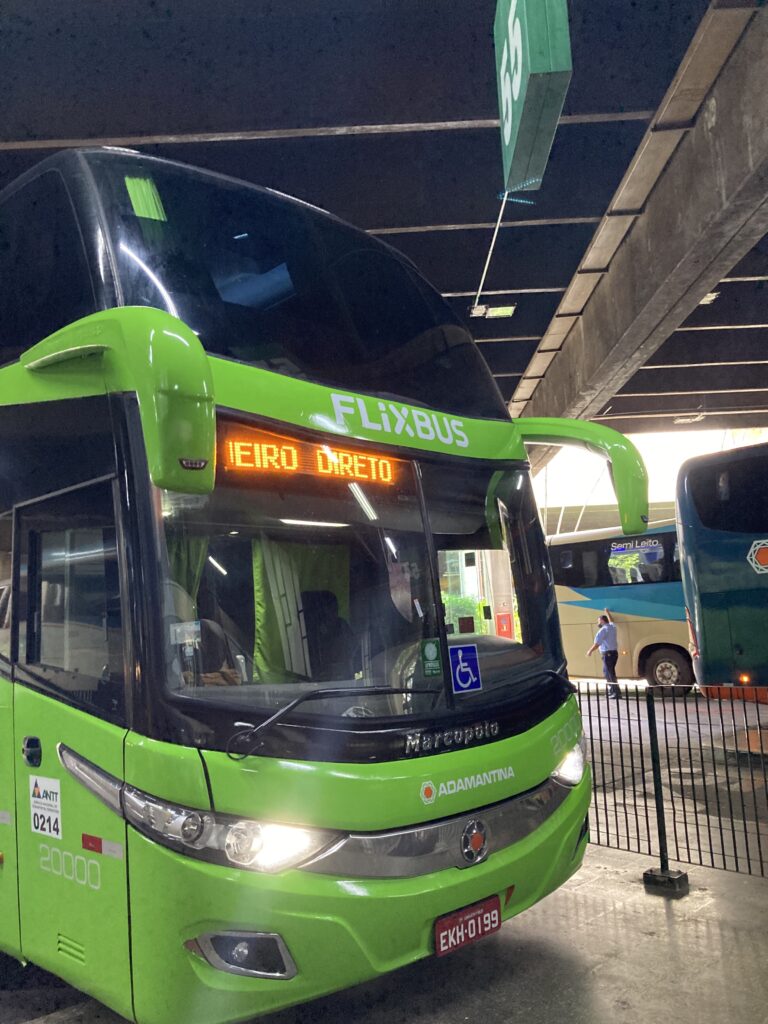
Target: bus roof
[(606, 533), (727, 456), (72, 158)]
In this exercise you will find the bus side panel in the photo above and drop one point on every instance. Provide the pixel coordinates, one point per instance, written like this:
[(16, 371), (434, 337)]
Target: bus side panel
[(734, 599), (72, 853), (578, 628), (9, 899), (649, 614)]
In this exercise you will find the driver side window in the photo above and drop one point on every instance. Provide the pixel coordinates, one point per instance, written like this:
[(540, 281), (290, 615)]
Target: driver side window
[(70, 621)]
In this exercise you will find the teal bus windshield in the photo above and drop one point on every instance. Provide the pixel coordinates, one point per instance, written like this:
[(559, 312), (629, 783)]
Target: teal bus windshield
[(722, 510)]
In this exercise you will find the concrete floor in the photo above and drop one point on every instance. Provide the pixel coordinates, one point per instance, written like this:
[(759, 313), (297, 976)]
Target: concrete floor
[(598, 951)]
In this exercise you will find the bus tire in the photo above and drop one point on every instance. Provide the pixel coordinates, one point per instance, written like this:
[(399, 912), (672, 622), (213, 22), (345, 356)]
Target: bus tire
[(669, 672)]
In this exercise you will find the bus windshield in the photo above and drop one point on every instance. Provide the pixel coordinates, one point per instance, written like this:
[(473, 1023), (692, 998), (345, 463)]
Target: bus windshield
[(278, 284), (309, 568)]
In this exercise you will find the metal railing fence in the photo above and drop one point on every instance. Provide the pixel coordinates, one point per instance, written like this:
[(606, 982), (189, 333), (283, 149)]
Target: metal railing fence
[(680, 776)]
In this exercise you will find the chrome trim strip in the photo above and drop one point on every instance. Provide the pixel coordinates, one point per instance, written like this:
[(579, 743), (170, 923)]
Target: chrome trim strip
[(105, 787), (207, 949), (434, 846)]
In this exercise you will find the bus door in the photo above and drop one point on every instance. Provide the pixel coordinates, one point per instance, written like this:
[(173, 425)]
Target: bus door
[(70, 697), (9, 906)]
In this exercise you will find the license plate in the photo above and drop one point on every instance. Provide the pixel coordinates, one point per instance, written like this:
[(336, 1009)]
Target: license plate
[(468, 925)]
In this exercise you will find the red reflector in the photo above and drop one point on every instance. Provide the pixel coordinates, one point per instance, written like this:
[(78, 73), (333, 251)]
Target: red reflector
[(92, 843), (691, 635)]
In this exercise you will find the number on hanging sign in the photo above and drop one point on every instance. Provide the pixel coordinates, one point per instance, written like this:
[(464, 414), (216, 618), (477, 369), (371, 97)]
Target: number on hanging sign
[(511, 70)]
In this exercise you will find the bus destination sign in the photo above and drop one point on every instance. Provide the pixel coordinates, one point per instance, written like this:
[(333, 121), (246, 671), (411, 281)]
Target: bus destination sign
[(260, 452)]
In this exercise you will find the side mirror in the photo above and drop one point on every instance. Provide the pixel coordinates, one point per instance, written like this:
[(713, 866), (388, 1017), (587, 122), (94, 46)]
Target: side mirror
[(149, 352), (628, 473)]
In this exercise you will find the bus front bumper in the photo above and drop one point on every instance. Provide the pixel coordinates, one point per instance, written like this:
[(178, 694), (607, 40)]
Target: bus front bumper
[(337, 931)]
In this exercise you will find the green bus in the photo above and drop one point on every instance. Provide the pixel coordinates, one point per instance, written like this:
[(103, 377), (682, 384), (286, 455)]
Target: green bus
[(253, 746), (722, 523)]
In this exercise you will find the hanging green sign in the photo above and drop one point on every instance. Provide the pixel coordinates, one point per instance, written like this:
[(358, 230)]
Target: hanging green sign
[(533, 70)]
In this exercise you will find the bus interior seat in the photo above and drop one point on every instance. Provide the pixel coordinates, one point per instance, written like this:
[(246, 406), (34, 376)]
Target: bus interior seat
[(217, 664), (330, 639)]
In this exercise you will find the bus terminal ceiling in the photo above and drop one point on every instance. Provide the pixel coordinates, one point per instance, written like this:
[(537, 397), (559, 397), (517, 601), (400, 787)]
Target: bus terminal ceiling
[(386, 114)]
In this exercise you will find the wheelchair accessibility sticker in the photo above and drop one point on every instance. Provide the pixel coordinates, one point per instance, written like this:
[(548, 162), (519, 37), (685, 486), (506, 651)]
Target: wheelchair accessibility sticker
[(465, 668)]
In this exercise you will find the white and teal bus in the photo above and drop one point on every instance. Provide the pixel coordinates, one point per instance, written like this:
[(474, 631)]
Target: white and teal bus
[(638, 579)]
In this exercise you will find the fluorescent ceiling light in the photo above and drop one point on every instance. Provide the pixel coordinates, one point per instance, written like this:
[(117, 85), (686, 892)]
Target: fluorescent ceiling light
[(391, 545), (492, 312), (363, 502), (309, 522), (217, 565), (683, 420)]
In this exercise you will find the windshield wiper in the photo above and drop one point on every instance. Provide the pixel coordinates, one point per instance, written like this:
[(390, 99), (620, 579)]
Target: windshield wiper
[(567, 684), (330, 692)]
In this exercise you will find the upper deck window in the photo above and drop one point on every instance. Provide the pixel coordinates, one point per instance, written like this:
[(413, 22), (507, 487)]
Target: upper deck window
[(616, 562), (43, 270), (730, 495), (268, 281)]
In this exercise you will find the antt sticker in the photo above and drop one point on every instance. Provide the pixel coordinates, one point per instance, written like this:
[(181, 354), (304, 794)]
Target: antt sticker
[(45, 806)]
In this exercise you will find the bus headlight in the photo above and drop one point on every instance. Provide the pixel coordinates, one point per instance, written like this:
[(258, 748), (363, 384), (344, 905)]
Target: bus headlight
[(224, 839), (272, 847), (218, 838), (570, 771)]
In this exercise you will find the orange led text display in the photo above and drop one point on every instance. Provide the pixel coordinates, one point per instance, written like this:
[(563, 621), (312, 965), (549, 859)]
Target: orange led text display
[(259, 452)]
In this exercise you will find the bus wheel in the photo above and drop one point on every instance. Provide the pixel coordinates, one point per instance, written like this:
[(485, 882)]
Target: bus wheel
[(669, 672)]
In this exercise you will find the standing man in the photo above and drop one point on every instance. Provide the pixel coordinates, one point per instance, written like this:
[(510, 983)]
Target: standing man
[(605, 640)]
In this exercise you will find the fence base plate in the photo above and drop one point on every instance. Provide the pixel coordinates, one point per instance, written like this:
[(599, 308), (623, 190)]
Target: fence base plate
[(666, 883)]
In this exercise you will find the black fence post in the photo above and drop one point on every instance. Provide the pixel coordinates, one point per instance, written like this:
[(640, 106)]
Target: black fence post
[(664, 881)]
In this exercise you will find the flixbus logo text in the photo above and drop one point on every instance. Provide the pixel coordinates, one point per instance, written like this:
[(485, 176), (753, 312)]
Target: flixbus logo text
[(399, 420)]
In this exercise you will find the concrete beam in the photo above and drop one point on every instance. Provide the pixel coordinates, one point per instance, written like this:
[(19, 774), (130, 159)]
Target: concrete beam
[(261, 134), (706, 210)]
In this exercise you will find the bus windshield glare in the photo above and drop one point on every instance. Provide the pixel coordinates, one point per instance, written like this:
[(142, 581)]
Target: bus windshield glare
[(309, 566)]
